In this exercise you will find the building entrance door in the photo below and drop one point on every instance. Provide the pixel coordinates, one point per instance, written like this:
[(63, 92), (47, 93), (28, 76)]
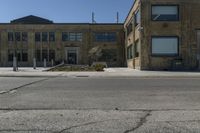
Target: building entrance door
[(72, 57), (72, 54)]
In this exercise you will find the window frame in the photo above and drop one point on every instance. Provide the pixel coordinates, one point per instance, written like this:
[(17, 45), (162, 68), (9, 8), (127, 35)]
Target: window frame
[(130, 52), (38, 34), (138, 11), (24, 36), (65, 36), (10, 36), (163, 5), (52, 36), (45, 37), (165, 55), (103, 37)]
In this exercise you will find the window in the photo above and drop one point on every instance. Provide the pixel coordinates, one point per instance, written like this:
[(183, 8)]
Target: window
[(44, 55), (10, 36), (130, 52), (18, 55), (51, 36), (24, 55), (65, 36), (167, 46), (105, 37), (137, 48), (38, 55), (137, 18), (72, 36), (44, 36), (52, 55), (37, 37), (129, 28), (10, 55), (165, 13), (79, 37), (24, 36), (17, 36)]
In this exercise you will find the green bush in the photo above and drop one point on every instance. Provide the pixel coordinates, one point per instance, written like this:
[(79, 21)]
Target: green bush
[(99, 67)]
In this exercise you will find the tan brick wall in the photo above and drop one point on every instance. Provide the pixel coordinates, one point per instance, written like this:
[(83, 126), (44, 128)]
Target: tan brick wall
[(185, 29), (59, 45)]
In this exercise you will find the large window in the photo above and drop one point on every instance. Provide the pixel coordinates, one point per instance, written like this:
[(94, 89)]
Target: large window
[(65, 36), (10, 36), (10, 55), (165, 46), (79, 37), (105, 37), (37, 37), (129, 28), (45, 54), (17, 36), (52, 36), (52, 55), (38, 55), (72, 36), (137, 48), (165, 13), (137, 18), (44, 36), (130, 52), (24, 36), (24, 55)]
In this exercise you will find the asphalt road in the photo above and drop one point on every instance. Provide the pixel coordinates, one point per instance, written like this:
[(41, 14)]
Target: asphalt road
[(92, 104)]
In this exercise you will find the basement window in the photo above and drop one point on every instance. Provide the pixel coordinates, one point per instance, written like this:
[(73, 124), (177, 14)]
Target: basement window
[(165, 13), (165, 46)]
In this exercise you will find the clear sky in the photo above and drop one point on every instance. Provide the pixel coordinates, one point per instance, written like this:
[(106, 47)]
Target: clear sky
[(64, 11)]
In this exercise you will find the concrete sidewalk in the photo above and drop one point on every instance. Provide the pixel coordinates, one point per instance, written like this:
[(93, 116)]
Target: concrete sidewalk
[(109, 72)]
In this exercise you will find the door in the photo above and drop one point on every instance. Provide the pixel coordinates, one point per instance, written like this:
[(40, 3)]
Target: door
[(72, 57)]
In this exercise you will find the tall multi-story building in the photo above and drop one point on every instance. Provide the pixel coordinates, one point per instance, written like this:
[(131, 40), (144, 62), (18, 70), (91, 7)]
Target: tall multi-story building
[(163, 34), (34, 37)]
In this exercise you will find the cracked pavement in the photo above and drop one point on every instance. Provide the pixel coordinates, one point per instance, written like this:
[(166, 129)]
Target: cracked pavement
[(99, 104)]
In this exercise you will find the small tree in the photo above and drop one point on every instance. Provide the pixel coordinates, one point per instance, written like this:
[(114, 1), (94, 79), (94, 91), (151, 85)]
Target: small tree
[(95, 53)]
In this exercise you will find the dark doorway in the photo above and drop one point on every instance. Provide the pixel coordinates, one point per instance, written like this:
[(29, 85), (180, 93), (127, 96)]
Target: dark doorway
[(72, 57)]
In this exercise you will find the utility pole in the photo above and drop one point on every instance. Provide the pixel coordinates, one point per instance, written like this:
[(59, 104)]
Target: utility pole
[(117, 19), (93, 18)]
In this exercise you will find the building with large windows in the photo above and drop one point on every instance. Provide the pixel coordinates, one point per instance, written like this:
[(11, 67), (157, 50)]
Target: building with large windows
[(156, 35), (163, 35), (34, 37)]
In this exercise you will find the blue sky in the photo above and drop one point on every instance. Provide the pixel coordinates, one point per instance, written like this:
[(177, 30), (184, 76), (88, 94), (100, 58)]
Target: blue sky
[(65, 10)]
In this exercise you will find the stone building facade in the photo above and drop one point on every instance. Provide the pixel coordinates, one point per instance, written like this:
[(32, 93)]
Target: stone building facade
[(33, 37), (163, 35)]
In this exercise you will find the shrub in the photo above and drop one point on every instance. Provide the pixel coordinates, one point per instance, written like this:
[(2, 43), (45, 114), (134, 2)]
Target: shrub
[(99, 67)]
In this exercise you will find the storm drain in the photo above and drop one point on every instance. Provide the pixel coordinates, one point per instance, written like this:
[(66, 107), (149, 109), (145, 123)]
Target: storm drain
[(82, 76)]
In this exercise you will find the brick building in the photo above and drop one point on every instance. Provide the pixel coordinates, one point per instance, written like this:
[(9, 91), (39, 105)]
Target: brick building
[(34, 37), (163, 34)]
